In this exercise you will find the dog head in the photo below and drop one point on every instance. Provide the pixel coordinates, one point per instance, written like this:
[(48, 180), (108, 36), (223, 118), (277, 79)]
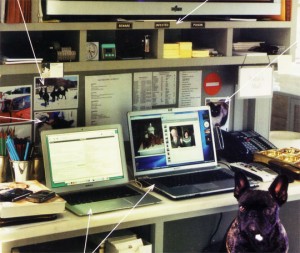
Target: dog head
[(259, 210)]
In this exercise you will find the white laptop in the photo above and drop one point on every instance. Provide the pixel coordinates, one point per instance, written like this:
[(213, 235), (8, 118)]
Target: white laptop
[(87, 167), (175, 150)]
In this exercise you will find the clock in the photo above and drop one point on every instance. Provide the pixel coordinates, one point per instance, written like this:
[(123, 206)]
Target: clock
[(92, 51)]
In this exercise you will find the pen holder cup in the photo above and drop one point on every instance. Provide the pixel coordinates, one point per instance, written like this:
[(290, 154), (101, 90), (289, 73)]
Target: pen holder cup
[(20, 170), (3, 168)]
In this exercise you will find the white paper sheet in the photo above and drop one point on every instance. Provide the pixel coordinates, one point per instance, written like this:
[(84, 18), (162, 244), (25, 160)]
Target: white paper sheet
[(142, 91), (164, 88), (255, 82), (108, 98), (154, 89), (190, 88)]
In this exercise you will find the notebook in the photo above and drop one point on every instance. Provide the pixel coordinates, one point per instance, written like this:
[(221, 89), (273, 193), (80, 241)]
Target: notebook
[(175, 150), (87, 167)]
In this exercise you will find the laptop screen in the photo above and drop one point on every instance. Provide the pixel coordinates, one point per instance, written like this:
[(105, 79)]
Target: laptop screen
[(77, 159), (171, 139)]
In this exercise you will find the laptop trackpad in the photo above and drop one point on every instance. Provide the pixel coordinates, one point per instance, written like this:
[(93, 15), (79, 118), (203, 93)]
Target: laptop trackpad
[(101, 206), (192, 189), (183, 190), (207, 186)]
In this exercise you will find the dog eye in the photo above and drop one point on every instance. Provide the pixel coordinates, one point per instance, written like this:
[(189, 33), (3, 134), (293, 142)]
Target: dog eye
[(242, 209), (268, 211)]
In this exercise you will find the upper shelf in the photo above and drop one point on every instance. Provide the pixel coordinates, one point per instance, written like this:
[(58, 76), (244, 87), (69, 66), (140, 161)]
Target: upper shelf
[(220, 35), (141, 25), (142, 64)]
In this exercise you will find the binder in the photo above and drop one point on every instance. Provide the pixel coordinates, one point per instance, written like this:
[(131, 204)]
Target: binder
[(13, 13)]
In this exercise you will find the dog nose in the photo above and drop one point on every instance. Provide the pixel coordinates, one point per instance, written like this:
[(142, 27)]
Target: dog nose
[(252, 214)]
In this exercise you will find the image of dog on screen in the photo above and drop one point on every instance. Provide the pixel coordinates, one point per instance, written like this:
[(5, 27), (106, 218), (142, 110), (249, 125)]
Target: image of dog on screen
[(257, 227)]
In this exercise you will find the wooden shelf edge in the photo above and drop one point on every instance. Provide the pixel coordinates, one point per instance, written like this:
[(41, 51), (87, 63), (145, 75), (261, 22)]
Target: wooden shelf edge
[(142, 64), (48, 26)]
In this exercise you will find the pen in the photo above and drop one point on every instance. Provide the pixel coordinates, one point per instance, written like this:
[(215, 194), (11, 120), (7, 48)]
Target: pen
[(20, 197), (26, 150)]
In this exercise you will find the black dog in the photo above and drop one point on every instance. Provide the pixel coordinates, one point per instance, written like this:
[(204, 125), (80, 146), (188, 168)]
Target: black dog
[(257, 227)]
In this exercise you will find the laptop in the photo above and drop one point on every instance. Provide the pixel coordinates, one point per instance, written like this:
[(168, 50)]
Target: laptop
[(86, 166), (174, 149)]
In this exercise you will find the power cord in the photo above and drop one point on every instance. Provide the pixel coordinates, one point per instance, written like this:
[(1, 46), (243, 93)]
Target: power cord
[(137, 183), (209, 247)]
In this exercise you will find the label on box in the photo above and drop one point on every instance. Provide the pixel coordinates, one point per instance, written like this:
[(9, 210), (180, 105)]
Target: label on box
[(162, 25), (197, 24), (124, 25)]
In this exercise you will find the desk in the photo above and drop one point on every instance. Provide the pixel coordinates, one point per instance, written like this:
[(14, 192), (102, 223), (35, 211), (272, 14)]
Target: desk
[(69, 225)]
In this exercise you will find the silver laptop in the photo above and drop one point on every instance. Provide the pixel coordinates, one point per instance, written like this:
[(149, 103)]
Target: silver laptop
[(174, 149), (87, 167)]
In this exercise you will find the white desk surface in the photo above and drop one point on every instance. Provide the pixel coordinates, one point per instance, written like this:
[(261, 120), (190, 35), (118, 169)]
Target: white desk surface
[(68, 225)]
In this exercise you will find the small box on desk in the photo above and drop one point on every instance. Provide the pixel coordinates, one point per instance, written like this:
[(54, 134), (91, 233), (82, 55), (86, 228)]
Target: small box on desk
[(24, 208), (125, 241), (284, 161), (136, 245)]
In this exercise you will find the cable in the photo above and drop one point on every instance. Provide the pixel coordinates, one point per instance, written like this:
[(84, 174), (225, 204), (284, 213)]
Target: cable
[(216, 229), (29, 39), (206, 249), (225, 163), (137, 183)]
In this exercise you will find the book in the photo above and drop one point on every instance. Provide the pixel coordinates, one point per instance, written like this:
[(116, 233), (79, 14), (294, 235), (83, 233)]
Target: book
[(7, 60), (24, 208)]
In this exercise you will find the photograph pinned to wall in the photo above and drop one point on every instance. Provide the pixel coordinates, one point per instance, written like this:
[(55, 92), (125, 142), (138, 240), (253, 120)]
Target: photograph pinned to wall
[(56, 93), (220, 111), (54, 120), (55, 69), (18, 130), (15, 104)]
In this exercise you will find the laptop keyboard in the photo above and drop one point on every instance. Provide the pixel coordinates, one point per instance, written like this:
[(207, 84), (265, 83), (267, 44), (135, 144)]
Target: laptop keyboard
[(195, 178), (99, 195)]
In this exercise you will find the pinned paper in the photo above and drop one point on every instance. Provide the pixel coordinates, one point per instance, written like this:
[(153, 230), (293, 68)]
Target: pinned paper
[(52, 70), (284, 64), (255, 82)]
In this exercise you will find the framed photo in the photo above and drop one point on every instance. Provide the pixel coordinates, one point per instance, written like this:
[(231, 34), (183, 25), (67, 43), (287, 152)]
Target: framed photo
[(15, 104), (54, 120), (220, 111), (56, 93)]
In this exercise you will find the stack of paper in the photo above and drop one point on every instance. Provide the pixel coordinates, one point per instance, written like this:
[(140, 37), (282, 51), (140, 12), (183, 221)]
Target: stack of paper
[(200, 53), (185, 49), (7, 60), (171, 50), (244, 48)]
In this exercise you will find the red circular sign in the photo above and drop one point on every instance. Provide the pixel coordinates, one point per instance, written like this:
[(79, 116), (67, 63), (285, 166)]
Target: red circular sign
[(212, 84)]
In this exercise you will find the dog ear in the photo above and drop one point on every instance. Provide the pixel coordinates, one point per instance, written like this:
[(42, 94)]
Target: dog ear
[(241, 184), (279, 189)]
